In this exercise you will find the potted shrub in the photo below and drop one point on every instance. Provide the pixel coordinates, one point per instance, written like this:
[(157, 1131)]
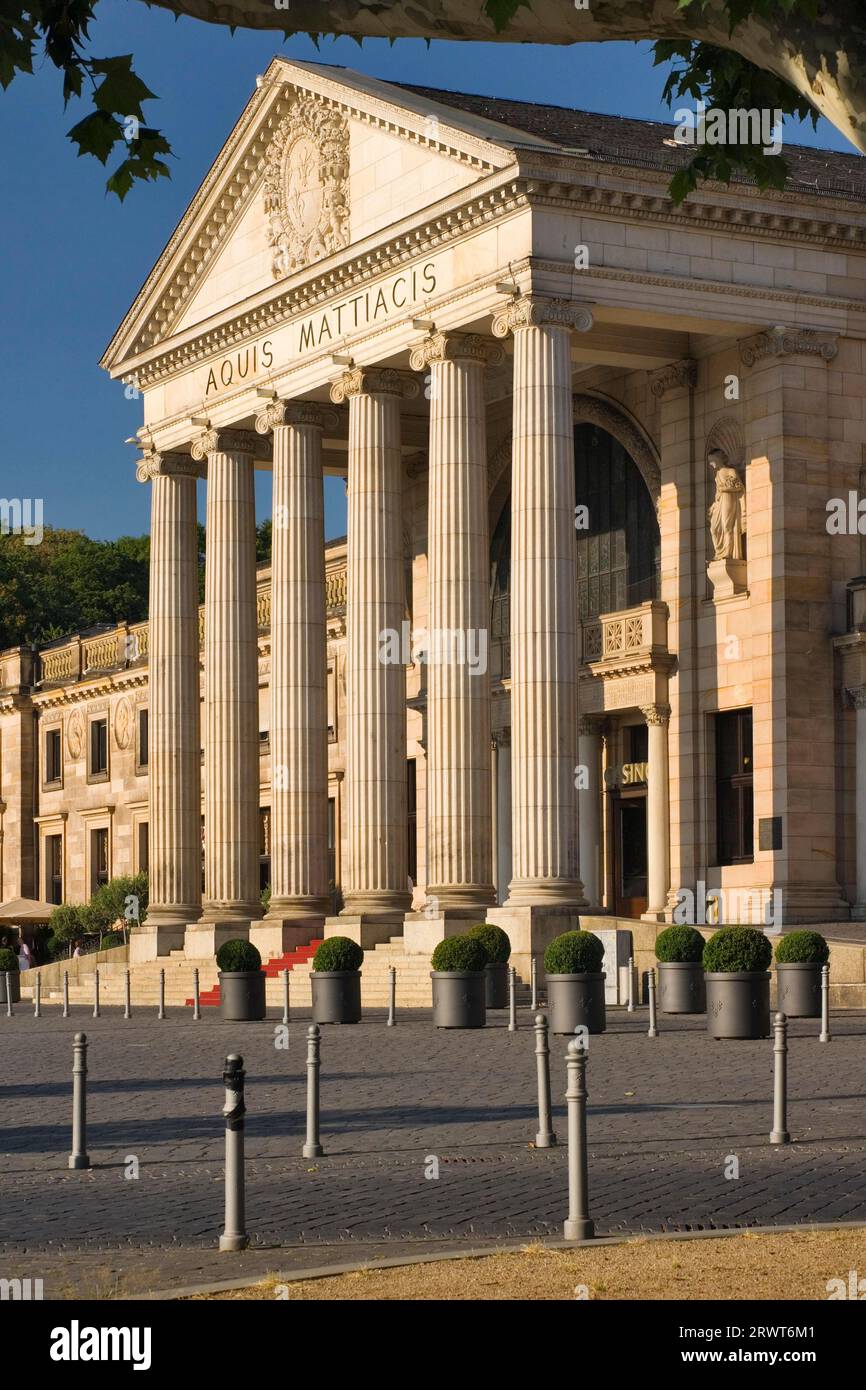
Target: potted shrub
[(799, 958), (336, 981), (241, 982), (9, 961), (738, 983), (680, 954), (459, 983), (498, 947), (575, 982)]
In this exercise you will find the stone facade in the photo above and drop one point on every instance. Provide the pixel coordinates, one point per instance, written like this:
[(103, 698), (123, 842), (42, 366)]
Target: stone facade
[(543, 384)]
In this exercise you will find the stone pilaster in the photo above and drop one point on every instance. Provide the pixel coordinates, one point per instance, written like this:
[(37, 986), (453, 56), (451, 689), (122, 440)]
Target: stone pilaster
[(590, 801), (658, 811), (376, 873), (459, 829), (857, 696), (231, 709), (299, 705), (174, 736)]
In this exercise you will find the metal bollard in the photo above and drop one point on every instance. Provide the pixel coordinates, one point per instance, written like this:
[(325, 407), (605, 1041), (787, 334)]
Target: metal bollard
[(285, 996), (313, 1147), (780, 1133), (578, 1225), (512, 1000), (533, 983), (196, 996), (392, 996), (127, 1002), (78, 1158), (37, 997), (545, 1138), (8, 993), (160, 1013), (96, 993), (825, 1004), (631, 984), (66, 994), (653, 1030), (234, 1237)]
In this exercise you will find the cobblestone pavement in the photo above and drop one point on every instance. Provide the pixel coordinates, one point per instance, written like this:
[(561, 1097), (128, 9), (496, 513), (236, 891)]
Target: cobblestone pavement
[(666, 1118)]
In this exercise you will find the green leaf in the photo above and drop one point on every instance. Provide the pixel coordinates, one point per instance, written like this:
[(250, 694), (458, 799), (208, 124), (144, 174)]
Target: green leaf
[(97, 134), (121, 90)]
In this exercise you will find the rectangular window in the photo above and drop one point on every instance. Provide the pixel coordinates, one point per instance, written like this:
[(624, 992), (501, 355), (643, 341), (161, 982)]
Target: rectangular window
[(99, 868), (99, 748), (143, 847), (53, 757), (734, 788), (143, 739), (264, 848), (332, 848), (412, 816), (54, 868)]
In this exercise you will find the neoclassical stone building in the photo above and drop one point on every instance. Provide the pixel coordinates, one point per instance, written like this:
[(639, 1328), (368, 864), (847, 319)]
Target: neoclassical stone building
[(593, 642)]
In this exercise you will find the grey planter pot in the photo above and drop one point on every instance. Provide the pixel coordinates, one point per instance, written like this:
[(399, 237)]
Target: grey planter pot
[(496, 977), (799, 989), (242, 995), (576, 1001), (458, 998), (336, 996), (738, 1003), (681, 987), (15, 981)]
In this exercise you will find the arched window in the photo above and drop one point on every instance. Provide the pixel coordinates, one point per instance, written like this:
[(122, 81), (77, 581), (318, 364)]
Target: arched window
[(618, 548)]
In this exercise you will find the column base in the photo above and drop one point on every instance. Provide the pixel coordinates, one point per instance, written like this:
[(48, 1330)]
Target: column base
[(422, 931), (530, 929), (203, 939), (149, 942), (655, 915), (275, 936), (367, 929), (563, 893)]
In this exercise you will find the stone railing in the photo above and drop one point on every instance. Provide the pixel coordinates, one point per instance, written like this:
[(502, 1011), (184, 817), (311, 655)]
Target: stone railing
[(101, 653), (632, 634), (61, 663)]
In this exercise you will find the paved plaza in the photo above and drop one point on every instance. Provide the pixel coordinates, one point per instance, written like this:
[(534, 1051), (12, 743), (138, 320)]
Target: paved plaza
[(665, 1116)]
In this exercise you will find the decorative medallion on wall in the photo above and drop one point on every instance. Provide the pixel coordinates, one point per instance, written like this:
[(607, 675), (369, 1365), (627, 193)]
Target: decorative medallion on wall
[(306, 185), (75, 735), (122, 723)]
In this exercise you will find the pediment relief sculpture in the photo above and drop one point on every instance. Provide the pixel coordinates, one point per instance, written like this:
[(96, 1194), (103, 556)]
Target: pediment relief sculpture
[(306, 186)]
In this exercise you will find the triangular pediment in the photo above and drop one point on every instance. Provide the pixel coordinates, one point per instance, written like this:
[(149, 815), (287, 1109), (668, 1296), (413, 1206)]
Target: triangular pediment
[(321, 160)]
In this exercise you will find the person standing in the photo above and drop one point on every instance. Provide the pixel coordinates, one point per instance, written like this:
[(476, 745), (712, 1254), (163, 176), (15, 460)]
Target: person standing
[(25, 956)]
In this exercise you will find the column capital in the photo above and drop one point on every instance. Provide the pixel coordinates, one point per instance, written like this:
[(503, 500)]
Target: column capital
[(297, 412), (538, 311), (857, 696), (229, 441), (455, 347), (788, 342), (676, 376), (153, 465), (378, 381), (656, 714)]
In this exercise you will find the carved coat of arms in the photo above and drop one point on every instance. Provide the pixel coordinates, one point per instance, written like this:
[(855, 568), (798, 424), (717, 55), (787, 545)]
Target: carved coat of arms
[(305, 186)]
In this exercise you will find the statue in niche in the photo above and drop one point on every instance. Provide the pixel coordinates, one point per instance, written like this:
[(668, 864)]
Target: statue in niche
[(727, 515)]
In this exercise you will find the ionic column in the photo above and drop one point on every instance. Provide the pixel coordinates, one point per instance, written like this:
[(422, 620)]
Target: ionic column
[(377, 868), (543, 605), (299, 705), (459, 831), (658, 810), (857, 696), (231, 713), (589, 758), (174, 769)]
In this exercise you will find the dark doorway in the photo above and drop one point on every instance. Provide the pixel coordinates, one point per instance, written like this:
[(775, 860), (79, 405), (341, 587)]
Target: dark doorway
[(630, 854)]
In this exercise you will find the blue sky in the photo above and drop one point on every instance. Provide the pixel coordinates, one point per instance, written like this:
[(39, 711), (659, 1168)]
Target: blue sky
[(72, 258)]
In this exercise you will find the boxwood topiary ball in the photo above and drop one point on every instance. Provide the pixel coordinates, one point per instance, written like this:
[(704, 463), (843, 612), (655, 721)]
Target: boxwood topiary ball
[(235, 956), (737, 948), (680, 945), (802, 948), (574, 953), (494, 940), (8, 960), (459, 953), (338, 953)]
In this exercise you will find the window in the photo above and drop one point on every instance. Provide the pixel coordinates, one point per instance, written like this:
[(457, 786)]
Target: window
[(734, 793), (53, 757), (618, 550), (143, 739), (264, 848), (143, 847), (332, 850), (99, 867), (99, 748), (54, 868), (412, 816)]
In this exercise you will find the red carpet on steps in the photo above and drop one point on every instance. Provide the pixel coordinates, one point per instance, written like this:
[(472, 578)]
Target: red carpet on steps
[(272, 968)]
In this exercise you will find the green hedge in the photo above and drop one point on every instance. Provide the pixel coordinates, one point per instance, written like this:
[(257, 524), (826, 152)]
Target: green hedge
[(494, 940), (239, 955), (574, 953), (737, 948), (338, 953), (802, 947), (459, 953), (683, 945), (8, 960)]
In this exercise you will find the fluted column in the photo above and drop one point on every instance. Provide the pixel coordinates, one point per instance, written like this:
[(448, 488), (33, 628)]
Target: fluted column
[(543, 604), (299, 713), (174, 770), (376, 874), (658, 810), (231, 716), (459, 830), (590, 800)]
